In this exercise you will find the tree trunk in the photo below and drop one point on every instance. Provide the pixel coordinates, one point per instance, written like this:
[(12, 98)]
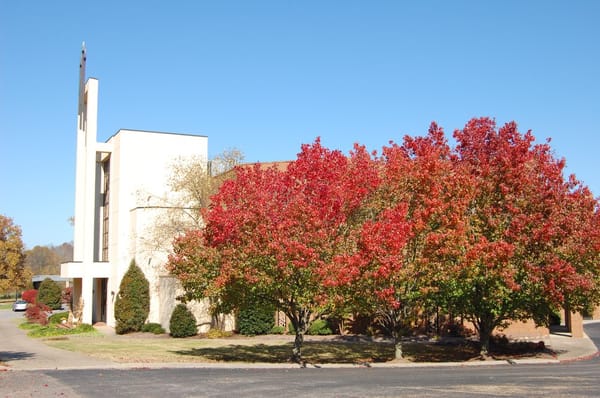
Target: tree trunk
[(297, 351), (300, 322), (485, 331), (398, 355)]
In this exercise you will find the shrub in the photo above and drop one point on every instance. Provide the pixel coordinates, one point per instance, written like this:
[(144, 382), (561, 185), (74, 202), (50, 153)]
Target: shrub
[(152, 327), (30, 295), (49, 293), (37, 313), (218, 334), (277, 330), (319, 327), (452, 328), (57, 318), (256, 319), (182, 322), (49, 331), (554, 319), (132, 305)]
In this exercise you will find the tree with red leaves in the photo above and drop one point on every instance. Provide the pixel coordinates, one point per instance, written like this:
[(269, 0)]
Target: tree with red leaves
[(532, 238), (271, 235), (415, 228)]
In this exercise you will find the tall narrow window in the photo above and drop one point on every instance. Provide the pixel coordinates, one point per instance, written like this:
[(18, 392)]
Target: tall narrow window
[(105, 208)]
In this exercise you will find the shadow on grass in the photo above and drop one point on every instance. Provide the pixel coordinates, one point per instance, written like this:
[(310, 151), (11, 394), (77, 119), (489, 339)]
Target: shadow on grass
[(364, 352), (441, 352), (312, 352), (336, 352)]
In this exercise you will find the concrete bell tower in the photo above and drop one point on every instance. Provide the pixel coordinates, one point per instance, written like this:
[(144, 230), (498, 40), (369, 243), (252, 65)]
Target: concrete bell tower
[(85, 172), (88, 270)]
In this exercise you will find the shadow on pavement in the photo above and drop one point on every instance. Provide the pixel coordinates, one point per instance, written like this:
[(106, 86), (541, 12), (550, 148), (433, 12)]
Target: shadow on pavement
[(15, 355)]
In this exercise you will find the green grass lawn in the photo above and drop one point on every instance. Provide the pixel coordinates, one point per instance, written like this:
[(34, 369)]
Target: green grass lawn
[(166, 349), (148, 348)]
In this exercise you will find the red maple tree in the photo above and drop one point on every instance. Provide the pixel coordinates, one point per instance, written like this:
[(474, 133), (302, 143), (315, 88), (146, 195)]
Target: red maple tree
[(270, 235), (523, 256), (414, 229)]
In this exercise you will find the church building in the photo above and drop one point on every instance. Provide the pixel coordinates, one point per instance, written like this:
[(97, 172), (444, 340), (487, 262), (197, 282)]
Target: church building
[(121, 188)]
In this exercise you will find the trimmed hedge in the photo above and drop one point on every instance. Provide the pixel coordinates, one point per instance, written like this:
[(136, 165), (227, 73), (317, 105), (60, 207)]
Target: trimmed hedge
[(132, 305), (182, 322)]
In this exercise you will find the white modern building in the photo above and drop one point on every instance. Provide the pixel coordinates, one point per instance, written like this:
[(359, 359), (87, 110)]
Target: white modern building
[(121, 187)]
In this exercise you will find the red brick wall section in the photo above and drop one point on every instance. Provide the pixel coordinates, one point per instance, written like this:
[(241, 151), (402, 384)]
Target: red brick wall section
[(524, 331), (596, 314), (576, 326)]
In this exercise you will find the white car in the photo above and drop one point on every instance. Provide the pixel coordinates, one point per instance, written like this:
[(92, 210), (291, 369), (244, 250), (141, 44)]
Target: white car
[(19, 305)]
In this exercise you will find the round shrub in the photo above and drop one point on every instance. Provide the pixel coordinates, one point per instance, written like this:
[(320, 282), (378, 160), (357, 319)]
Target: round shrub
[(132, 305), (49, 294), (255, 320), (182, 322), (277, 330), (151, 327), (319, 327)]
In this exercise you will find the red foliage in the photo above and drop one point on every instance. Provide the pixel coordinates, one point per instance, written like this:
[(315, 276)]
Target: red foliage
[(67, 295), (278, 231), (491, 224), (37, 313), (30, 296), (532, 238)]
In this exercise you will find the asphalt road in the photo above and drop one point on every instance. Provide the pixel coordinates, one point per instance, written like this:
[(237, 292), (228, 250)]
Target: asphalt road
[(575, 379)]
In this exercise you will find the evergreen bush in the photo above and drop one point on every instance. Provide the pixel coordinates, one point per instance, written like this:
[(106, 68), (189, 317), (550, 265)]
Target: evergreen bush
[(132, 305), (182, 322), (319, 327), (256, 319), (50, 294)]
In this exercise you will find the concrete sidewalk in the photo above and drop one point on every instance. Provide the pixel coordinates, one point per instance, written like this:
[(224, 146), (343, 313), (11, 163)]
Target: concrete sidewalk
[(19, 352)]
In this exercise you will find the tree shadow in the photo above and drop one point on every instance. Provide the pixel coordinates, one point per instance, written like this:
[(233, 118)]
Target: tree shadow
[(364, 352), (312, 352), (15, 355), (442, 351)]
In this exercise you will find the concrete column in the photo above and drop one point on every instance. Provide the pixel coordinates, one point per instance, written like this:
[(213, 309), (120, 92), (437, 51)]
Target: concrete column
[(87, 287)]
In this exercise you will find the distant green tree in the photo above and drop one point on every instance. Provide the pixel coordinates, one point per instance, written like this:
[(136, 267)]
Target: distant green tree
[(132, 305), (49, 294)]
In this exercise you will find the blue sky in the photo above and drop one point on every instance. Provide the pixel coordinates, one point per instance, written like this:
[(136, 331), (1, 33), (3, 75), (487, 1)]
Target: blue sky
[(267, 76)]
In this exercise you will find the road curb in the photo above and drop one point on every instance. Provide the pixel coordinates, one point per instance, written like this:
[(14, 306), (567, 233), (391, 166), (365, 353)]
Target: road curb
[(581, 358)]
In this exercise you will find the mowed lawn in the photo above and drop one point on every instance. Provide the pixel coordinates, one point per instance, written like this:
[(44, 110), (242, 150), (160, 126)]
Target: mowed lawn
[(148, 348)]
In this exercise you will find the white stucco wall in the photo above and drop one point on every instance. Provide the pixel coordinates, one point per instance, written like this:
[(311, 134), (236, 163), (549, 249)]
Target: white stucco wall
[(141, 164)]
